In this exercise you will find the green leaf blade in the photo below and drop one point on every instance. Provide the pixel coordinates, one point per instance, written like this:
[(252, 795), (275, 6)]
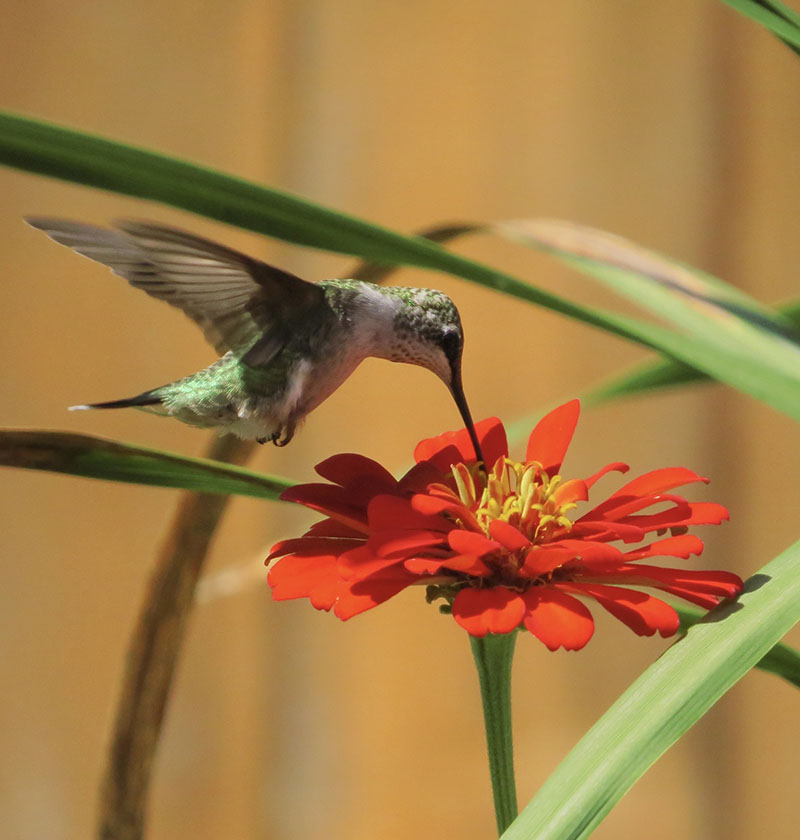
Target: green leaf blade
[(722, 331), (654, 376), (766, 371), (92, 457), (662, 704), (46, 149), (773, 16), (70, 155), (781, 660)]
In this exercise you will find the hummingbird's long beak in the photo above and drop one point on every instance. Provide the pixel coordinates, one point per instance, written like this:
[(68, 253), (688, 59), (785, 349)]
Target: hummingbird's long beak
[(457, 390)]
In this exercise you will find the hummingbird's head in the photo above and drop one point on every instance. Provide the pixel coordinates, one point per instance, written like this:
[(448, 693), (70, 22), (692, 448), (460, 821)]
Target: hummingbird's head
[(427, 332)]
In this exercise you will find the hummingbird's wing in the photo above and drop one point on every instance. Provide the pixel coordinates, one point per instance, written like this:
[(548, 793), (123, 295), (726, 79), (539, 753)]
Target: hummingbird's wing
[(241, 304)]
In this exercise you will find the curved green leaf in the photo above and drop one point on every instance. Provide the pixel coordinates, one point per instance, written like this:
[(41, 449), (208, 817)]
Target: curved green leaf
[(579, 241), (644, 276), (781, 660), (756, 364), (93, 457), (696, 286), (784, 662), (662, 704), (774, 16), (74, 156), (71, 155), (727, 334), (666, 373)]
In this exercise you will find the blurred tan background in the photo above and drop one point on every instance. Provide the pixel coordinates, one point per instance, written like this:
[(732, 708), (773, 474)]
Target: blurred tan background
[(675, 124)]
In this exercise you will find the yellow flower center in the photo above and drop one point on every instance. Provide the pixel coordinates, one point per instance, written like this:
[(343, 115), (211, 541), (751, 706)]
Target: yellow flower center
[(521, 494)]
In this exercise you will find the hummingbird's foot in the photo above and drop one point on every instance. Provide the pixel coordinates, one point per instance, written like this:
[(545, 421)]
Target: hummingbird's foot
[(283, 437), (262, 440)]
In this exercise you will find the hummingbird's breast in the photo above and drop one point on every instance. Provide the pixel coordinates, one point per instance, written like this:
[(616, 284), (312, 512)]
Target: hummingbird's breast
[(312, 379), (303, 375), (269, 400), (362, 325)]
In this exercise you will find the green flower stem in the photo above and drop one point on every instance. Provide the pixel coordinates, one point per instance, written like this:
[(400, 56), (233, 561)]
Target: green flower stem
[(493, 657)]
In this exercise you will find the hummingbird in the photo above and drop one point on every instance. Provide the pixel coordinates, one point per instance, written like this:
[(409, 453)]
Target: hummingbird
[(285, 344)]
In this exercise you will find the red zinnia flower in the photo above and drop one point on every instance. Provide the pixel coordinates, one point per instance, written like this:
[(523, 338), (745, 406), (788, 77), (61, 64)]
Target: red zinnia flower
[(504, 549)]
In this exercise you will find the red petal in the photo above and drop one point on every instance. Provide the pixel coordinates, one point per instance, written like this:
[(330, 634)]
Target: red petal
[(719, 584), (681, 516), (574, 490), (468, 542), (313, 545), (395, 514), (706, 513), (657, 481), (590, 553), (361, 491), (626, 506), (683, 546), (482, 611), (330, 500), (360, 563), (431, 505), (543, 559), (332, 528), (402, 544), (456, 447), (417, 479), (492, 436), (344, 468), (557, 619), (707, 602), (314, 578), (436, 505), (508, 536), (279, 549), (617, 466), (437, 490), (363, 595), (649, 484), (440, 451), (643, 613), (606, 531), (424, 565), (549, 440), (467, 563)]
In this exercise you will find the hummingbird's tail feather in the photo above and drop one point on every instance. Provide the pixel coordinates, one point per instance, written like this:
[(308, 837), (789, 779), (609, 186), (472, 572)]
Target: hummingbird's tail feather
[(148, 398)]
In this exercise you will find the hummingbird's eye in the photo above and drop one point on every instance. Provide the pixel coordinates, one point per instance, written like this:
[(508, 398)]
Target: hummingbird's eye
[(451, 345)]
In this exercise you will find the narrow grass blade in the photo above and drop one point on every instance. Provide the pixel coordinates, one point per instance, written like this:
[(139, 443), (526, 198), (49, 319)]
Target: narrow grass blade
[(733, 338), (662, 704), (774, 16), (154, 652), (721, 312), (664, 374), (71, 155), (781, 660), (94, 457)]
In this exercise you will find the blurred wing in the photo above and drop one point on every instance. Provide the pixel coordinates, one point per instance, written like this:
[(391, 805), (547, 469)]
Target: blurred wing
[(240, 303)]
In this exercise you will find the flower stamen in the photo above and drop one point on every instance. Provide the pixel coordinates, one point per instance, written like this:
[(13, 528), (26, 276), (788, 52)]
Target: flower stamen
[(528, 501)]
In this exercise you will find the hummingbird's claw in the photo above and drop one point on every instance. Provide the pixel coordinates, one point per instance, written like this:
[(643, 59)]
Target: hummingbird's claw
[(279, 438), (283, 437)]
